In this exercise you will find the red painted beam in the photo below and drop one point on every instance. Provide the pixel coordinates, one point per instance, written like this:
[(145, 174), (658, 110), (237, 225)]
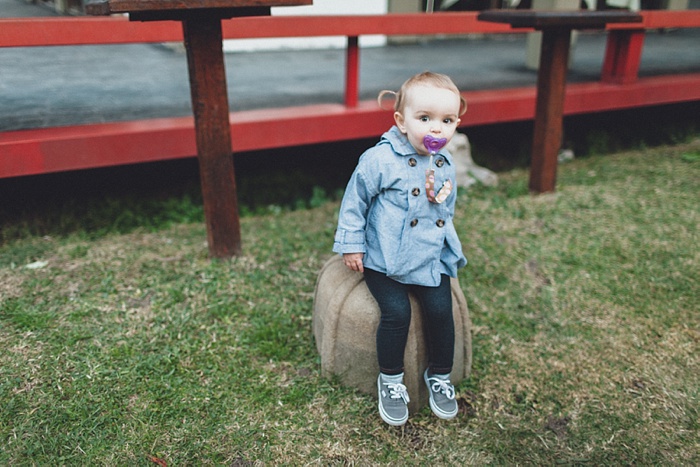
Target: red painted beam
[(59, 149), (31, 32), (47, 150), (49, 31), (359, 25), (499, 106), (659, 19), (658, 90)]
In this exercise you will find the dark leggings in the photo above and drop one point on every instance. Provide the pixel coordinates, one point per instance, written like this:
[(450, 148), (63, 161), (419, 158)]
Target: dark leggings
[(395, 307)]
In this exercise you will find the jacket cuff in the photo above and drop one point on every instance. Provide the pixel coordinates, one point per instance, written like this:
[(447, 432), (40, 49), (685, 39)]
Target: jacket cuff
[(349, 242)]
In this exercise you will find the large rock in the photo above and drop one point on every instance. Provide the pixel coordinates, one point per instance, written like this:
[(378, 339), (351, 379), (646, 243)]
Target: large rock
[(345, 320), (468, 173)]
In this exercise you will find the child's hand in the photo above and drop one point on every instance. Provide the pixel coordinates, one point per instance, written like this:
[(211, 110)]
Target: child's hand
[(354, 261)]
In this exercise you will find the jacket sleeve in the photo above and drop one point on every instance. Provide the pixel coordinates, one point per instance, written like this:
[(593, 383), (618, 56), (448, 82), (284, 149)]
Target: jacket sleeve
[(352, 219)]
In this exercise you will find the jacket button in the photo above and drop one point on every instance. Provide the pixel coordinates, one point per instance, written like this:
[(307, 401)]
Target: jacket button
[(440, 223), (414, 222), (412, 162), (440, 162), (415, 191)]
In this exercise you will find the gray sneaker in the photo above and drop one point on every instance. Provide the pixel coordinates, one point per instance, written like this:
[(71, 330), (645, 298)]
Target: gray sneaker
[(442, 396), (392, 402)]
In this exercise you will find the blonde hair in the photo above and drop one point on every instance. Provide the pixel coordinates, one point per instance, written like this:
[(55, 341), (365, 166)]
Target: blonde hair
[(427, 78)]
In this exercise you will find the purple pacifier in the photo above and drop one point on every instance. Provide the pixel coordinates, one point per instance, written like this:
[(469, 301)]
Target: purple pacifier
[(432, 144)]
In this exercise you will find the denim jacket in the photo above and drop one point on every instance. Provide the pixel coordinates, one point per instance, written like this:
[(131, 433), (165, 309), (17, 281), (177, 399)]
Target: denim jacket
[(386, 215)]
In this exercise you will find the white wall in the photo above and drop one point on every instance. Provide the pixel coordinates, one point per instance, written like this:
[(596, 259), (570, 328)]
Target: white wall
[(319, 8)]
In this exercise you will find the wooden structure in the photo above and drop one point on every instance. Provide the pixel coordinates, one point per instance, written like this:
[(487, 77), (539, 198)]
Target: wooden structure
[(556, 27), (46, 150), (201, 26)]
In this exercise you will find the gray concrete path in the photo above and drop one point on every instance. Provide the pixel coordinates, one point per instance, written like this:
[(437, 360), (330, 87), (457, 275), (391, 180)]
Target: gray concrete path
[(56, 86)]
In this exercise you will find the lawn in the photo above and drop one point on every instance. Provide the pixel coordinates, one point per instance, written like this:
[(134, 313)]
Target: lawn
[(135, 348)]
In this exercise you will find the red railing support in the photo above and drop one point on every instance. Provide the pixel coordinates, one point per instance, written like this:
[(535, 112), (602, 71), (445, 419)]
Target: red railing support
[(352, 72), (623, 54)]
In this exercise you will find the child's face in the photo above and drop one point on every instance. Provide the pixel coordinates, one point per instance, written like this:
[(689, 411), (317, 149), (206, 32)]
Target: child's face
[(428, 111)]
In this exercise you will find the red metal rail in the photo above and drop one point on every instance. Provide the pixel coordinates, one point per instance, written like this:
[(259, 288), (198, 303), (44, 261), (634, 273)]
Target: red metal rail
[(98, 145)]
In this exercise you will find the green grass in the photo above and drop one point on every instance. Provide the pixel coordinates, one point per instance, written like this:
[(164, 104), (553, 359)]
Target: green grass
[(130, 345)]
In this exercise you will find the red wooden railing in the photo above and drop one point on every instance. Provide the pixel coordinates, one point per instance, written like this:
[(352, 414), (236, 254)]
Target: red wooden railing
[(55, 149)]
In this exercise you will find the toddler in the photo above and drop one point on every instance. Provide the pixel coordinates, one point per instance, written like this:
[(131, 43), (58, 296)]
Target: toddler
[(395, 226)]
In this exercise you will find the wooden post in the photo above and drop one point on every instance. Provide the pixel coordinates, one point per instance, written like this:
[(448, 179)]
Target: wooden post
[(556, 29), (551, 85), (201, 25), (205, 59)]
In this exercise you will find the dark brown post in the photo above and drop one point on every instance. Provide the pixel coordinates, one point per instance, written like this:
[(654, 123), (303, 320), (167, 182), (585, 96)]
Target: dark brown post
[(205, 58), (556, 29), (551, 85)]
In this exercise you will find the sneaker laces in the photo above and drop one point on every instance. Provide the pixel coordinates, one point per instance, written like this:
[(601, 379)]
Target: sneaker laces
[(397, 390), (442, 385)]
